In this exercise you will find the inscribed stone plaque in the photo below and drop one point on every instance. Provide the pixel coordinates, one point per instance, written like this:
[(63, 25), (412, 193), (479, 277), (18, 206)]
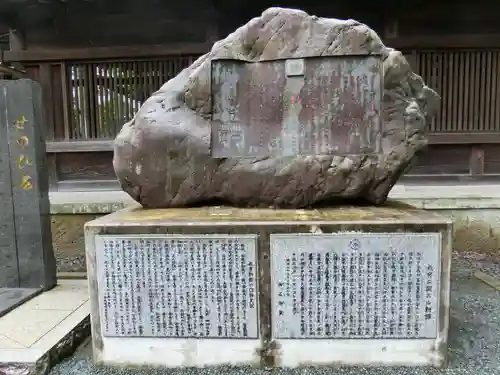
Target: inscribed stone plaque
[(178, 286), (355, 285), (311, 106)]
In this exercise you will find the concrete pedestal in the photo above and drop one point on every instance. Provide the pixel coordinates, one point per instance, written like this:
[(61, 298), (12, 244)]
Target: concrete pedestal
[(219, 286)]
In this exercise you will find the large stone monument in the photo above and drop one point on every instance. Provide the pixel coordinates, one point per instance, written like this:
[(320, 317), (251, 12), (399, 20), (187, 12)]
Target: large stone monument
[(288, 111), (27, 262)]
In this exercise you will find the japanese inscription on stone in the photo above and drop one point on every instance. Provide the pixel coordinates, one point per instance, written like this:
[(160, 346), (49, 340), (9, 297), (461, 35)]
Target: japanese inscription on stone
[(355, 285), (172, 286), (310, 106), (23, 161)]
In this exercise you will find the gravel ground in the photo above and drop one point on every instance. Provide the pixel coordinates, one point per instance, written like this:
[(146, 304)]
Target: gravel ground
[(474, 342), (485, 263)]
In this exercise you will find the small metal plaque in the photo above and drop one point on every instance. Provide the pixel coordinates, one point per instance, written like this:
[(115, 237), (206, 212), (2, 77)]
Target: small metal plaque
[(355, 285), (312, 106), (178, 286), (294, 67)]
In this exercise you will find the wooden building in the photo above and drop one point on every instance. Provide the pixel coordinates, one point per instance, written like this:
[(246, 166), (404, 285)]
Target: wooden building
[(98, 60)]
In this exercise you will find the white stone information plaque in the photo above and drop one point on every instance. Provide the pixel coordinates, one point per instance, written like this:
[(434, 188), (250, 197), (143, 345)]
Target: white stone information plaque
[(355, 285), (178, 286)]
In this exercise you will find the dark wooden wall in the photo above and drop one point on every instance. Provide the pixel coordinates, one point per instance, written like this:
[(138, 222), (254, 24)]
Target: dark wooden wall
[(448, 18), (78, 23), (84, 23)]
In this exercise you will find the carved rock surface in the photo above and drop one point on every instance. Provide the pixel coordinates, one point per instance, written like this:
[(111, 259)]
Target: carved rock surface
[(162, 157)]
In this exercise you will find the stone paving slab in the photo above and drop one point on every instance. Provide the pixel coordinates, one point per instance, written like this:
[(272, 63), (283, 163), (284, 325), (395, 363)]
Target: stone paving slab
[(474, 343)]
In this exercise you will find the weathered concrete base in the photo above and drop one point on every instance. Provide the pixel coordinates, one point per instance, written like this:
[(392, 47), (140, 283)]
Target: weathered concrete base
[(425, 352), (68, 241), (476, 230), (268, 350)]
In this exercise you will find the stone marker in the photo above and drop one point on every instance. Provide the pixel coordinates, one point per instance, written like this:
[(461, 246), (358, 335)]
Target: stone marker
[(220, 286), (287, 111), (27, 262)]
